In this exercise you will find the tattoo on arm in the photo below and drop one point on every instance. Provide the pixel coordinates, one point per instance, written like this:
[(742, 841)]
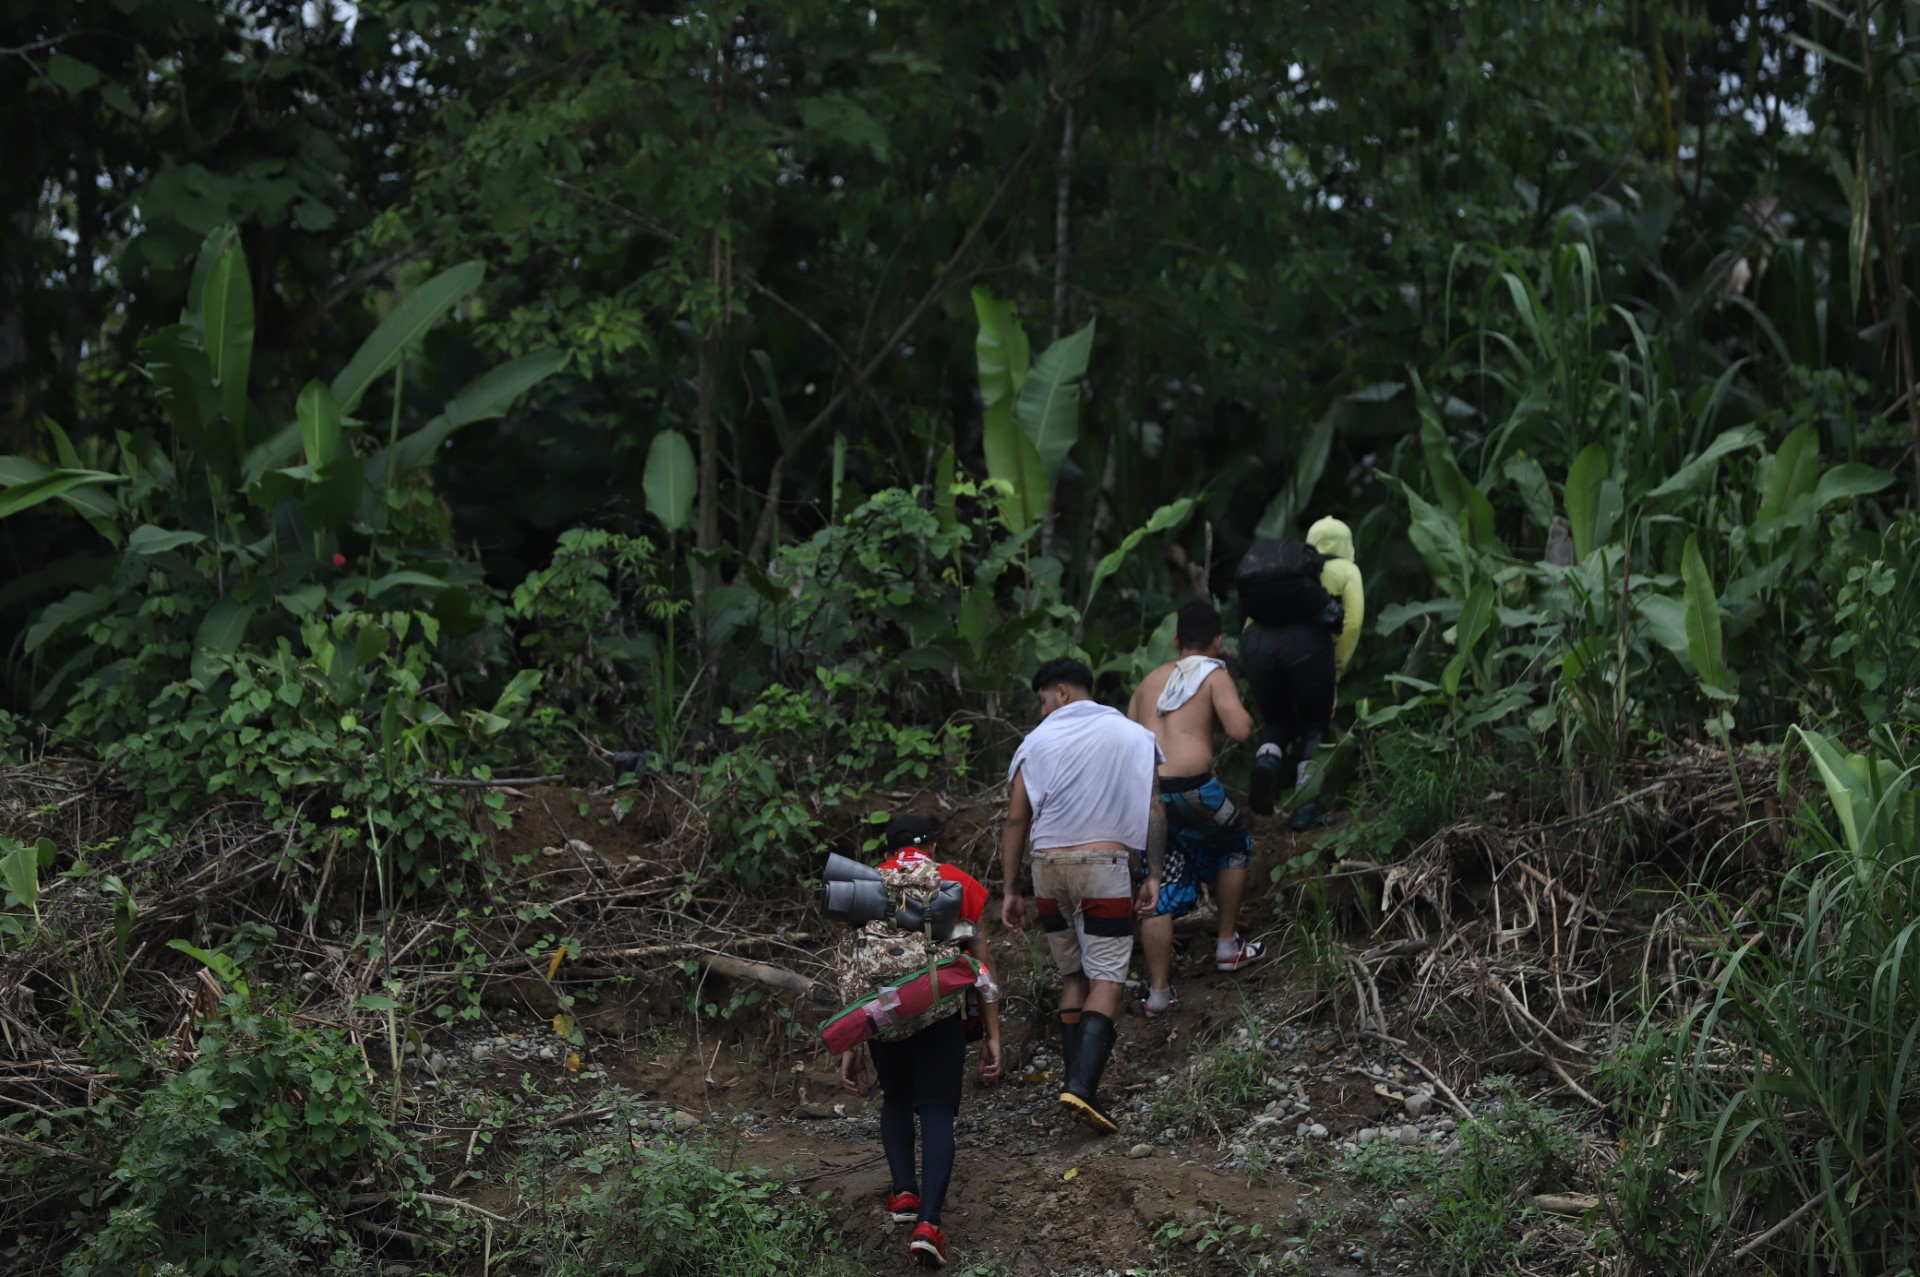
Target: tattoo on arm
[(1013, 835), (1156, 837), (1014, 840)]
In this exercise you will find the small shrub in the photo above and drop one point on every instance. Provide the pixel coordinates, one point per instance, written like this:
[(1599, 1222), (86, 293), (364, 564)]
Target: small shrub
[(669, 1210), (801, 753), (1413, 786), (1227, 1073), (240, 1162), (1473, 1215)]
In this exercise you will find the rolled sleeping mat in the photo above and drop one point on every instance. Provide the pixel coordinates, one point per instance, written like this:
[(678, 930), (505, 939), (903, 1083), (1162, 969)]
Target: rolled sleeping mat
[(856, 902), (943, 911), (841, 869)]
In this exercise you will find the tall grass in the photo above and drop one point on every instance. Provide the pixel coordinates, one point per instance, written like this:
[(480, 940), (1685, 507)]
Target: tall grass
[(1774, 1121)]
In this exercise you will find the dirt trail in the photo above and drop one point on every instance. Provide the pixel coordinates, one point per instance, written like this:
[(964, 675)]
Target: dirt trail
[(1033, 1193)]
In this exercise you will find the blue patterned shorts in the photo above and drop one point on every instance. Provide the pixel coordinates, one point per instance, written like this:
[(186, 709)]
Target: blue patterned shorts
[(1205, 834)]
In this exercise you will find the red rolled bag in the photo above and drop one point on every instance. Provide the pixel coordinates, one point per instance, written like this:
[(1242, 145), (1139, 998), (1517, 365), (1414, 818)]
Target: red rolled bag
[(900, 1005)]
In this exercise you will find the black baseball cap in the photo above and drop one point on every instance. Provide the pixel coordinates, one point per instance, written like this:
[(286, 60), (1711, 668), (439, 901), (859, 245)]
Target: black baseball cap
[(908, 831)]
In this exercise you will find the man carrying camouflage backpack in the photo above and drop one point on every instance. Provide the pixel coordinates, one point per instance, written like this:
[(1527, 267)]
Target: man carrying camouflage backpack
[(920, 1061)]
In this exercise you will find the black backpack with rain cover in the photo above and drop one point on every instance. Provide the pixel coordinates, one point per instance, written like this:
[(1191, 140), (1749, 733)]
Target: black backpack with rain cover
[(1279, 584)]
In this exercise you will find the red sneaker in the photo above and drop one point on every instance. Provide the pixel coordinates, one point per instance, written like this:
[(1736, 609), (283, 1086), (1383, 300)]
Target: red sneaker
[(929, 1245), (904, 1207)]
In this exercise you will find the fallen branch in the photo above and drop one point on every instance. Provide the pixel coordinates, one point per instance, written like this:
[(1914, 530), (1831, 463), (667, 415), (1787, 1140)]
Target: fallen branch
[(397, 1234), (1553, 885), (35, 1147), (832, 1170), (765, 973), (1500, 987), (1359, 972), (380, 1199), (1566, 1203), (1597, 812), (1540, 1048), (584, 1115), (1446, 1092), (1813, 1203), (1396, 949), (501, 782)]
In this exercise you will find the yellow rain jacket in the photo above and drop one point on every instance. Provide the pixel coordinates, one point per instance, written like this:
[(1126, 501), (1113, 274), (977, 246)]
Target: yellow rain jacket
[(1341, 578)]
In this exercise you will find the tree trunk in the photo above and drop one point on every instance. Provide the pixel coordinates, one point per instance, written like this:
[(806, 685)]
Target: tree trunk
[(707, 532), (16, 407), (1062, 243), (79, 302), (1062, 223), (1882, 176)]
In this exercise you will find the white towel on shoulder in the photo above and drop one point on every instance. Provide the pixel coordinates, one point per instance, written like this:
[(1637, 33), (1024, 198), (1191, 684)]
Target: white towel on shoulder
[(1188, 674)]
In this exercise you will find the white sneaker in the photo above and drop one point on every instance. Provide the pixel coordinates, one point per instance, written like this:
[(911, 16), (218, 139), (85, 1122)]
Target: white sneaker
[(1250, 952)]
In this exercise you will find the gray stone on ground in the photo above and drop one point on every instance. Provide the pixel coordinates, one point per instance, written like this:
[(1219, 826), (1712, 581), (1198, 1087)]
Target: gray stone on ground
[(1418, 1104), (1140, 1150)]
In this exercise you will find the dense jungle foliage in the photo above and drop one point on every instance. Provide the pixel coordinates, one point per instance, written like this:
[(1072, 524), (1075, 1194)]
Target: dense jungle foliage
[(408, 391)]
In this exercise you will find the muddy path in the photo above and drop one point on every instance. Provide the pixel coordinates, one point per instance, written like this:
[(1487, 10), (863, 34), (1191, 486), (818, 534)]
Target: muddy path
[(1034, 1192), (1239, 1109), (1248, 1185)]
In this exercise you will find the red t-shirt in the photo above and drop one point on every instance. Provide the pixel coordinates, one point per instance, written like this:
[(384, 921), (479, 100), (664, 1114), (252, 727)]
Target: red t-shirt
[(973, 896)]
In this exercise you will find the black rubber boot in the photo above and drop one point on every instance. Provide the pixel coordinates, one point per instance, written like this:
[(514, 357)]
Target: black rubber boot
[(1069, 1043), (1097, 1036)]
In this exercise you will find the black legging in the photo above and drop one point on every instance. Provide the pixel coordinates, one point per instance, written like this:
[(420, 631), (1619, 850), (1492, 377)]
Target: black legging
[(936, 1150), (1290, 669)]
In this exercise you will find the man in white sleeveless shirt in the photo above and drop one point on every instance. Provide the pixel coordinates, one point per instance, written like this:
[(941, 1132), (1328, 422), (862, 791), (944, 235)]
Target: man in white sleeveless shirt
[(1084, 791)]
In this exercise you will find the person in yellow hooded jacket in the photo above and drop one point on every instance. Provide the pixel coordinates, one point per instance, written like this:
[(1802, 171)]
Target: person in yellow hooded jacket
[(1294, 649)]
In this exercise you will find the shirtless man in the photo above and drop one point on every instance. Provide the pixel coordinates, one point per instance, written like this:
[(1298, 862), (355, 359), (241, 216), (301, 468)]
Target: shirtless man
[(1183, 703), (1083, 792)]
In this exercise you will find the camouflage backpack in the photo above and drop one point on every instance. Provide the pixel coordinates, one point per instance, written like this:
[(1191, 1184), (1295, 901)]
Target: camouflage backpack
[(879, 955)]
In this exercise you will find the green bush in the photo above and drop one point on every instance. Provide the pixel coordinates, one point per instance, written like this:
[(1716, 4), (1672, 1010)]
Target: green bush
[(799, 754), (1864, 658), (1413, 784), (600, 618), (670, 1211), (240, 1162), (1472, 1214), (343, 714)]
